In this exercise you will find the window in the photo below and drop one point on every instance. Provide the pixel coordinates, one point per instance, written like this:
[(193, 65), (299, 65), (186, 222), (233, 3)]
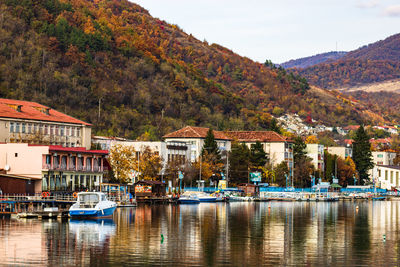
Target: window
[(17, 125), (386, 175), (46, 129), (16, 155), (23, 127), (29, 128), (11, 127), (41, 128), (57, 129), (67, 131), (62, 130), (52, 130), (391, 177), (35, 128), (380, 156), (78, 132), (72, 131)]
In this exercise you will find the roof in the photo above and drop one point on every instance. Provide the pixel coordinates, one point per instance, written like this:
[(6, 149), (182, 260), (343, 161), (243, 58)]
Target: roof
[(351, 127), (390, 167), (76, 150), (196, 132), (18, 177), (150, 182), (254, 136), (34, 111)]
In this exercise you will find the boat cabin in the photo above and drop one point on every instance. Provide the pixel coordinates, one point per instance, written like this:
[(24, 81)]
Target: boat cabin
[(90, 199)]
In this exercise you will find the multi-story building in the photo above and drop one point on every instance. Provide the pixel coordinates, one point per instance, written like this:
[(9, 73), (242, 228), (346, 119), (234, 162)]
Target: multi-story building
[(195, 136), (54, 168), (277, 147), (316, 153), (386, 177), (383, 157), (30, 122), (340, 151)]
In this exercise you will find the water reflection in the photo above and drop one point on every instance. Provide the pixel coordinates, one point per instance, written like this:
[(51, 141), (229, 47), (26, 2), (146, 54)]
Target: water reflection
[(235, 234)]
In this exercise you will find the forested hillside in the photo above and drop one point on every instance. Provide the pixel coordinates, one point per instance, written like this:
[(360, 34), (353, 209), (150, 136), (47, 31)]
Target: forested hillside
[(110, 63), (376, 62), (313, 60)]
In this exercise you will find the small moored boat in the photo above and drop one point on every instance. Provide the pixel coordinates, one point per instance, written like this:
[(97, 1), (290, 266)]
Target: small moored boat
[(188, 199), (92, 205)]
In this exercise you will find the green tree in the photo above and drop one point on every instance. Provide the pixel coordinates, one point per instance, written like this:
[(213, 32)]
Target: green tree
[(258, 157), (239, 163), (362, 155), (281, 170), (211, 147), (299, 149)]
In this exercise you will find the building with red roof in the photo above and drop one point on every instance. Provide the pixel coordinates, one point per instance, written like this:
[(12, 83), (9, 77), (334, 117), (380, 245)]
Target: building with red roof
[(51, 168), (278, 148), (30, 122)]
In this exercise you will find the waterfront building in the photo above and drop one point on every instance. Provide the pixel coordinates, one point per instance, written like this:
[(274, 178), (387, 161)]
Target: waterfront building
[(277, 147), (195, 136), (316, 153), (53, 168), (386, 176), (30, 122), (340, 151)]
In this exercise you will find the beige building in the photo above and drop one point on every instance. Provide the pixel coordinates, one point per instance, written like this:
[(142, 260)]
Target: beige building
[(340, 151), (383, 157), (316, 152), (30, 122), (277, 147)]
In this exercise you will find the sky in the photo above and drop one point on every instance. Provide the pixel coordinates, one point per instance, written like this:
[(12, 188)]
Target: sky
[(280, 30)]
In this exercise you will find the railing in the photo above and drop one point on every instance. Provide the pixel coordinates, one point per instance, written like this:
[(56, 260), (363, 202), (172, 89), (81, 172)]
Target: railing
[(67, 197), (64, 167)]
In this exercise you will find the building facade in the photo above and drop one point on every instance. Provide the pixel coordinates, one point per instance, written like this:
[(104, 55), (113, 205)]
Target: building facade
[(387, 177), (195, 136), (30, 122), (383, 157), (316, 153), (277, 147), (54, 168), (340, 151)]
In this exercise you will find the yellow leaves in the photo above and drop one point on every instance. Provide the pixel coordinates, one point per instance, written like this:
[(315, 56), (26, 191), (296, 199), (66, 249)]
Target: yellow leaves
[(312, 139), (123, 161), (88, 28), (208, 166), (150, 164)]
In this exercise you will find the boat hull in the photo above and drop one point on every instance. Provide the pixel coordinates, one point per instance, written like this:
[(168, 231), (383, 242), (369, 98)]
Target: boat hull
[(92, 213), (208, 199), (188, 201)]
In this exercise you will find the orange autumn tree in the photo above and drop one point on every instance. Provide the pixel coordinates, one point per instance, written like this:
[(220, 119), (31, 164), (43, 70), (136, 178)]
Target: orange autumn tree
[(150, 165)]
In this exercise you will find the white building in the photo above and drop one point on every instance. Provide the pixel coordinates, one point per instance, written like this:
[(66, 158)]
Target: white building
[(386, 177), (195, 136)]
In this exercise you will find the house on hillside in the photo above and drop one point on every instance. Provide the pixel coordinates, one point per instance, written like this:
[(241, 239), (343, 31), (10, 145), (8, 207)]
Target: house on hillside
[(30, 122)]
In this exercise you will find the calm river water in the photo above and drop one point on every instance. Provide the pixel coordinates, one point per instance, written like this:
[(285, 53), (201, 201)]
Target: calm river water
[(356, 233)]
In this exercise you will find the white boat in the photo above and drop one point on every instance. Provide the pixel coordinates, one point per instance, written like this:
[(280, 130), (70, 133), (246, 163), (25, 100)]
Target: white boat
[(92, 205), (203, 197), (189, 199)]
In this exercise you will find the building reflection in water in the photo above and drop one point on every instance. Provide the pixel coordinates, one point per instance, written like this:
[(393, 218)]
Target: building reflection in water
[(235, 234)]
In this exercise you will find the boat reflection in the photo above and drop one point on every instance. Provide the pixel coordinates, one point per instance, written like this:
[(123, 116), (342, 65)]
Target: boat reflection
[(92, 232)]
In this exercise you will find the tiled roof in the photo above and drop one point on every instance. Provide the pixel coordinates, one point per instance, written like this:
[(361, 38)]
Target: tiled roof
[(76, 150), (351, 127), (196, 132), (33, 111), (254, 136)]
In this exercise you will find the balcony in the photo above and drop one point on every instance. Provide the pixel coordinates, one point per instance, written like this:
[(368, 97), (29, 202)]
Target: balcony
[(64, 167)]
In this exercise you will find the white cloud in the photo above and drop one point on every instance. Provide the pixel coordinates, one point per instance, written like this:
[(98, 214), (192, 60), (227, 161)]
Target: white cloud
[(368, 4), (392, 11)]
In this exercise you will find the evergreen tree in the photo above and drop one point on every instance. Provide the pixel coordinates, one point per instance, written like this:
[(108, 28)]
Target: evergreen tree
[(299, 148), (211, 147), (239, 163), (362, 155), (258, 157)]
